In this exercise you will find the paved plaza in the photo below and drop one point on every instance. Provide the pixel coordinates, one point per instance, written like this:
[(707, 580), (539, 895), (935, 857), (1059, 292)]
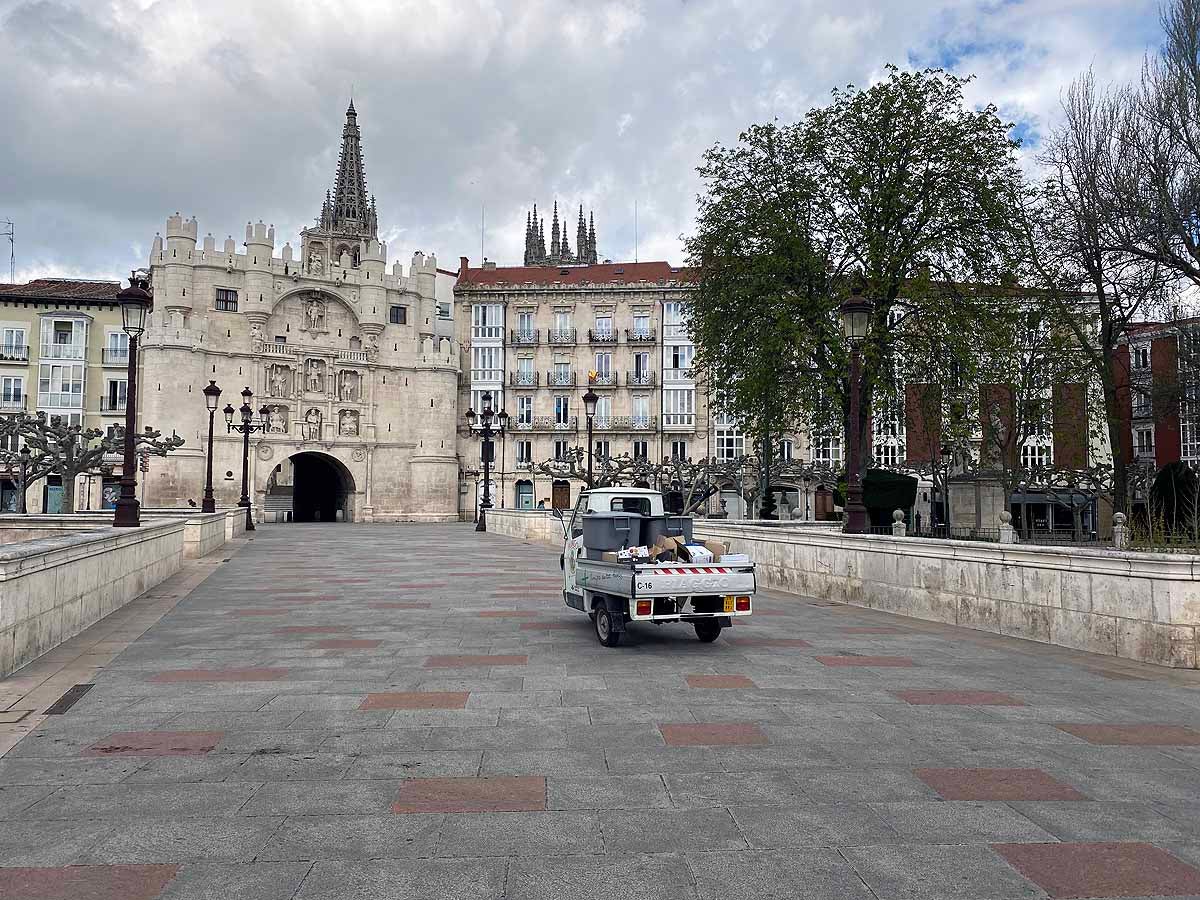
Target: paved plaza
[(375, 712)]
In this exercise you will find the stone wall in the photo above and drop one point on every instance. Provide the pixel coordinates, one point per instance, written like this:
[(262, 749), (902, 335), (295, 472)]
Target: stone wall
[(1139, 606)]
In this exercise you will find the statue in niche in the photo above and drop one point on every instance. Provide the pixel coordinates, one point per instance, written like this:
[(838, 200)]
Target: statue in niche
[(256, 336), (316, 265), (312, 425), (277, 420), (348, 423), (314, 376), (372, 346), (314, 315), (280, 381), (348, 390)]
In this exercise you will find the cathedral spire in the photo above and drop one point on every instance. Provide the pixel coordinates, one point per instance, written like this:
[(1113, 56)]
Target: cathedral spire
[(353, 212), (555, 245), (581, 248), (592, 256)]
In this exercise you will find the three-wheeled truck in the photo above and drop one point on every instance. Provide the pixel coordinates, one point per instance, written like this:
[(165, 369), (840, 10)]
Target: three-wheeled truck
[(614, 592)]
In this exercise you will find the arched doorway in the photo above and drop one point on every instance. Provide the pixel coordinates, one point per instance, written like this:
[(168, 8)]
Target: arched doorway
[(322, 488)]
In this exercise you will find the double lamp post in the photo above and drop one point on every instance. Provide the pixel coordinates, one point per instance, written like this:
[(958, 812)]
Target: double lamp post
[(488, 450), (136, 303)]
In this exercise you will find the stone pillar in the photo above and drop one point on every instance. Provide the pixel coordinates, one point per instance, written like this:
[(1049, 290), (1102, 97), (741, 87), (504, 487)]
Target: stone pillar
[(1008, 534), (1120, 532), (898, 527)]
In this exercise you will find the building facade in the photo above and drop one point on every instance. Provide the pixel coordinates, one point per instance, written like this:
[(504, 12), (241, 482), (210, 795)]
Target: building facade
[(532, 335), (63, 353), (355, 363)]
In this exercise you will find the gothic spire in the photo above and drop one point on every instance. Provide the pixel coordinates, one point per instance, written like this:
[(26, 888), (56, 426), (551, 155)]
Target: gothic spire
[(592, 256), (581, 237), (555, 245), (353, 213)]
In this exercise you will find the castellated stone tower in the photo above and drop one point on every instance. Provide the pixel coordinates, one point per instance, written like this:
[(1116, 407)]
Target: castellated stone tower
[(358, 374)]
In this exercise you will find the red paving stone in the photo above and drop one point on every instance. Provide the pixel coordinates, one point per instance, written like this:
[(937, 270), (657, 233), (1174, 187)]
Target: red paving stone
[(172, 676), (156, 743), (720, 681), (417, 585), (416, 700), (312, 629), (957, 698), (398, 605), (86, 882), (872, 629), (997, 784), (1135, 735), (471, 661), (496, 793), (892, 662), (713, 734), (1069, 870), (550, 626), (507, 614), (347, 644), (768, 642), (241, 613)]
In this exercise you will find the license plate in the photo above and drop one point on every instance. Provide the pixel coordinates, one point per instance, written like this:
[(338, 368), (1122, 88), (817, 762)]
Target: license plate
[(728, 604)]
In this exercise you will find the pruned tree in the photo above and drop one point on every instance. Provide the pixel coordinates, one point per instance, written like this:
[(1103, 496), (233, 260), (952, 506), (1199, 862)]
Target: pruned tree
[(25, 469)]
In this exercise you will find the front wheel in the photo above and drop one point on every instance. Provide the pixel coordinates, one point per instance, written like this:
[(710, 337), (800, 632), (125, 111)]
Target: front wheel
[(708, 630), (604, 628)]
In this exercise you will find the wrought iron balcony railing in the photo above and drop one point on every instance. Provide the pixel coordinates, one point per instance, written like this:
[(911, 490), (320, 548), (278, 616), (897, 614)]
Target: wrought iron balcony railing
[(109, 405), (603, 336), (561, 336), (604, 379), (548, 423), (524, 379), (14, 353), (641, 336), (112, 357), (524, 338), (560, 379), (639, 379), (625, 423)]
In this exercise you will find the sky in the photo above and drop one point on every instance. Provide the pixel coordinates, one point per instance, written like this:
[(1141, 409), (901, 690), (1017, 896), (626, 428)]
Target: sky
[(117, 113)]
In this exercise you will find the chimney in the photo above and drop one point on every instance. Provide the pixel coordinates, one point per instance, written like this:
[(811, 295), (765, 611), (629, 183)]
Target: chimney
[(462, 266)]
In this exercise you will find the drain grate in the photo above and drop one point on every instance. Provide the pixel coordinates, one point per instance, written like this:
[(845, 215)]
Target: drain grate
[(73, 695)]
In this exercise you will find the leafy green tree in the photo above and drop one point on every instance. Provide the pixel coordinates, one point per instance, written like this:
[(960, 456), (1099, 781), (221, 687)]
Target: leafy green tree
[(900, 188)]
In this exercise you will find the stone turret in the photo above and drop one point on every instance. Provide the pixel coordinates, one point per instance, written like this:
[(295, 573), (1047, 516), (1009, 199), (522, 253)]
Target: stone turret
[(173, 290), (260, 247)]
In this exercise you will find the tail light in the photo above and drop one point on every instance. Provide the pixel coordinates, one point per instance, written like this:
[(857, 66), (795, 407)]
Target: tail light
[(742, 604), (644, 607)]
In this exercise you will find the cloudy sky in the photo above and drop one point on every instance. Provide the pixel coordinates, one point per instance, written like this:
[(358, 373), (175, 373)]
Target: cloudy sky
[(116, 113)]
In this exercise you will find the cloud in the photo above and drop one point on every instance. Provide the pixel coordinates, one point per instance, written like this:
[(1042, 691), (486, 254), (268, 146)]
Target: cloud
[(116, 114)]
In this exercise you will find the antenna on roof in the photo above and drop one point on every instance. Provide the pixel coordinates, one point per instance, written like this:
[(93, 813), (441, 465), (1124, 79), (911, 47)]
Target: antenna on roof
[(10, 232), (635, 232), (481, 232)]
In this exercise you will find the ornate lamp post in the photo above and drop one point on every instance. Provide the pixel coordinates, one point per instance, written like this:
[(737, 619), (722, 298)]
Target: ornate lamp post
[(488, 452), (590, 399), (856, 324), (212, 396), (245, 428), (135, 302)]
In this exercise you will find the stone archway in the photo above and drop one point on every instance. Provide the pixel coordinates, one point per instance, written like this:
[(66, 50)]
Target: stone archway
[(323, 488)]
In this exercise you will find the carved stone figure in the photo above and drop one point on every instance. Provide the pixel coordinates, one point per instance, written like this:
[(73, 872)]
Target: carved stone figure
[(316, 265), (314, 315), (314, 374), (256, 336), (277, 420), (349, 387), (372, 346), (348, 423), (280, 380), (312, 425)]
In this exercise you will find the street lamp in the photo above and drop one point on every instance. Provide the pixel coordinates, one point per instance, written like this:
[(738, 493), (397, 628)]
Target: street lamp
[(212, 396), (245, 428), (488, 452), (855, 314), (590, 400), (135, 302)]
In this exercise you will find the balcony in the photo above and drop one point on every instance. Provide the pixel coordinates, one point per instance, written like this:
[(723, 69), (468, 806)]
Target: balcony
[(14, 353), (524, 338), (679, 421), (625, 423), (524, 379), (639, 379), (109, 405), (634, 336), (353, 355), (113, 357), (278, 348), (677, 374), (561, 336), (548, 423), (560, 379), (604, 336), (63, 351), (487, 332), (12, 404), (524, 465), (603, 379)]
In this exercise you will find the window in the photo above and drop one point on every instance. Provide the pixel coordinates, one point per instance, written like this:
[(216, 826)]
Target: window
[(562, 373), (786, 449), (562, 410), (603, 411), (487, 320), (60, 386), (524, 495), (496, 402), (679, 407), (602, 449), (445, 309), (827, 451), (524, 410), (12, 391), (1141, 357), (641, 412), (116, 347), (641, 450), (561, 450), (487, 363), (524, 451), (114, 395), (731, 443), (398, 315), (641, 327), (1035, 454), (604, 365), (64, 338), (226, 300), (604, 326), (525, 325), (12, 343), (679, 450), (887, 456), (679, 362), (1142, 405), (525, 367), (641, 365), (1144, 442), (562, 320), (674, 323)]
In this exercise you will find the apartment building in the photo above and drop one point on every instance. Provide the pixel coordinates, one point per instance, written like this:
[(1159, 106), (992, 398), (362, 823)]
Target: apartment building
[(62, 352), (1158, 387), (531, 335)]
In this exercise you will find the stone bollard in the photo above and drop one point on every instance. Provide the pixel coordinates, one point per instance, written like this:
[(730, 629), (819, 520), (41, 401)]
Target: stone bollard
[(898, 527), (1008, 534), (1120, 532)]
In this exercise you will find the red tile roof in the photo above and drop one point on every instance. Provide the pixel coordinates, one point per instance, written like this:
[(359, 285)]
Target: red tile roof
[(68, 289), (602, 273)]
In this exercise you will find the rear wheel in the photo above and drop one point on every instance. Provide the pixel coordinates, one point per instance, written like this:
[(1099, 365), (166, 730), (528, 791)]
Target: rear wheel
[(708, 630), (604, 627)]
